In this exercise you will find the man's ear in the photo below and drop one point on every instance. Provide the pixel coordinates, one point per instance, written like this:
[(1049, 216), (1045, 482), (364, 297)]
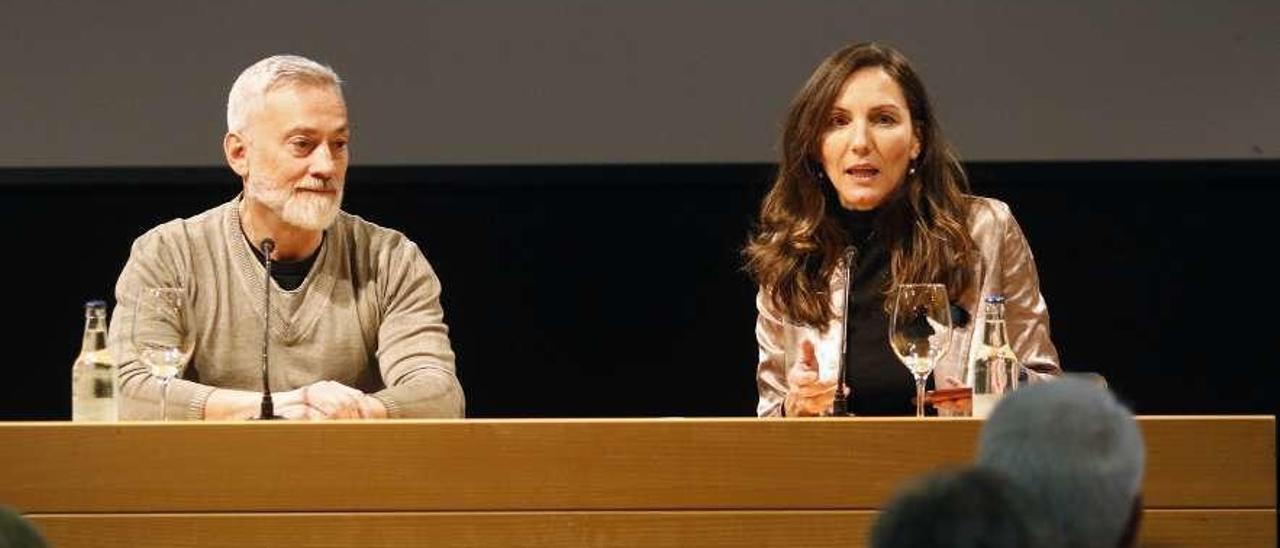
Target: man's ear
[(236, 150)]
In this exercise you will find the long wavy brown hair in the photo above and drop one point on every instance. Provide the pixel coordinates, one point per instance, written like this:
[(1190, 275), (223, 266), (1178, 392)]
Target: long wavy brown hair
[(798, 242)]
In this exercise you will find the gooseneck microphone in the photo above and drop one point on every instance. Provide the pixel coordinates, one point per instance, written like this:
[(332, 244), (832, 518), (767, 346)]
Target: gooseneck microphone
[(840, 406), (268, 411)]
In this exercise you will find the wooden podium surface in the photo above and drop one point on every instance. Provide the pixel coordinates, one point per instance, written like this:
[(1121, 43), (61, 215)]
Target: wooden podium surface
[(610, 482)]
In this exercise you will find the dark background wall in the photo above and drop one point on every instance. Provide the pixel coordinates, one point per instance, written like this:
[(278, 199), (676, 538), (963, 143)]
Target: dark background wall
[(616, 290)]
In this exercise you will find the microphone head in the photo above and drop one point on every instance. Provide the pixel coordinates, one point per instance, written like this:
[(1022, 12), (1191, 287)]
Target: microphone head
[(268, 245), (850, 252)]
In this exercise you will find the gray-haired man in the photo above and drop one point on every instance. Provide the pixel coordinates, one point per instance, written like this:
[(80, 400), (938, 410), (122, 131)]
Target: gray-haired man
[(356, 326)]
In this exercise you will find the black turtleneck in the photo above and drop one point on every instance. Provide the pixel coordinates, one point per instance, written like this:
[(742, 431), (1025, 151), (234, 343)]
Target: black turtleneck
[(881, 383), (289, 275)]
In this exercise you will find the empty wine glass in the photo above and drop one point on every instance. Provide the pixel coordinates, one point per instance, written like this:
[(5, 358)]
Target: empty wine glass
[(920, 331), (161, 337)]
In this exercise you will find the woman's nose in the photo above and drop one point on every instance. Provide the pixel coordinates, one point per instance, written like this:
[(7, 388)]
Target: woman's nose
[(859, 141)]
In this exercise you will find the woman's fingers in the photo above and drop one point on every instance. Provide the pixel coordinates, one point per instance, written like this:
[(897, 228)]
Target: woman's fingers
[(807, 355), (808, 393)]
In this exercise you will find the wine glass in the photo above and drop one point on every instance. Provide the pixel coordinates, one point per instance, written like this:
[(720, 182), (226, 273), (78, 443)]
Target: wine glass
[(160, 335), (920, 331)]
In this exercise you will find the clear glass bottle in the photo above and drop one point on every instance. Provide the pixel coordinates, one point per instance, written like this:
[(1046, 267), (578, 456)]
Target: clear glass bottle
[(94, 382), (993, 367)]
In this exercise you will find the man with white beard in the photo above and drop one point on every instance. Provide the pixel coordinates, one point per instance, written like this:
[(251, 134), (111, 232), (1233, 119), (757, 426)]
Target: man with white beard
[(356, 326)]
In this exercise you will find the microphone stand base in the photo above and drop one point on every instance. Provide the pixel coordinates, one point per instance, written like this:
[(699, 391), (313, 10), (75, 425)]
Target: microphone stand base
[(840, 408)]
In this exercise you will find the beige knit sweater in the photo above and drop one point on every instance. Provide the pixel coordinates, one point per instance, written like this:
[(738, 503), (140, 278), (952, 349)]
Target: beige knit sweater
[(368, 316)]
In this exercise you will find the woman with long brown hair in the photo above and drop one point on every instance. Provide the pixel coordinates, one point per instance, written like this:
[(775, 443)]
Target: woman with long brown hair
[(864, 165)]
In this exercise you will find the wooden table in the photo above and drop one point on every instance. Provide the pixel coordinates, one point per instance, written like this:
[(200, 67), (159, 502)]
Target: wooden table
[(660, 482)]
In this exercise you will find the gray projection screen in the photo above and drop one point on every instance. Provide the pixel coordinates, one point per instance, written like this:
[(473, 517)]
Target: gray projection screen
[(143, 83)]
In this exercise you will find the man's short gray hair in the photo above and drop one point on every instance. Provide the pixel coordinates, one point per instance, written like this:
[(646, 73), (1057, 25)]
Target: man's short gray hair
[(268, 74), (1076, 449)]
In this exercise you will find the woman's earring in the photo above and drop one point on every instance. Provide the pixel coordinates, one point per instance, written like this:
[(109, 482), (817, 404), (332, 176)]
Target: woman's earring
[(818, 173), (911, 170)]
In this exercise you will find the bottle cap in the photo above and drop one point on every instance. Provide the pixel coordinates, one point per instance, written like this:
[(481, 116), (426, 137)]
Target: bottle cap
[(994, 299), (95, 309)]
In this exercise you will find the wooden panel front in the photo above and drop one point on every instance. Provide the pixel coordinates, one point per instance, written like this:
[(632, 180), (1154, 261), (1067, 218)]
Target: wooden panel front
[(498, 465), (708, 529), (1210, 462), (471, 465)]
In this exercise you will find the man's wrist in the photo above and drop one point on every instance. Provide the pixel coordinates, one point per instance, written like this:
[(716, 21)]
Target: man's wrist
[(372, 408)]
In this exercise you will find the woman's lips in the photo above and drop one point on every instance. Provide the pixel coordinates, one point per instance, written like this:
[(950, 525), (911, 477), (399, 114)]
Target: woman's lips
[(862, 172)]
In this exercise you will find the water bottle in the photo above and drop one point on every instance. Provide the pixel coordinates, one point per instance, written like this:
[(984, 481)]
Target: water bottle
[(993, 367), (93, 377)]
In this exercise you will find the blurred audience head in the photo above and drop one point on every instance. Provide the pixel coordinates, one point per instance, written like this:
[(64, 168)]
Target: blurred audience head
[(1077, 451), (17, 532), (968, 508)]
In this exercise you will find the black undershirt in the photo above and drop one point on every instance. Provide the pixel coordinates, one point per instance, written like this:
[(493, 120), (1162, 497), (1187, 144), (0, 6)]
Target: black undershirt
[(289, 275), (881, 383)]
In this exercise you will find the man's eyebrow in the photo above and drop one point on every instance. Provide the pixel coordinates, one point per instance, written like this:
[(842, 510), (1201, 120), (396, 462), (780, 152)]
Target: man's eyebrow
[(312, 130), (300, 129)]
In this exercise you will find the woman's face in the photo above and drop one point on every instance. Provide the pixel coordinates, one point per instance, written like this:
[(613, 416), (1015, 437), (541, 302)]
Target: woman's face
[(869, 140)]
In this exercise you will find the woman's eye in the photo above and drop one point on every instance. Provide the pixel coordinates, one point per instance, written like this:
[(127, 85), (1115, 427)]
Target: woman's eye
[(885, 120), (839, 120)]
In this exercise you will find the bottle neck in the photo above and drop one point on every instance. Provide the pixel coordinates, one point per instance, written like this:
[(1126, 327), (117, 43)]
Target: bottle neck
[(993, 332), (95, 333)]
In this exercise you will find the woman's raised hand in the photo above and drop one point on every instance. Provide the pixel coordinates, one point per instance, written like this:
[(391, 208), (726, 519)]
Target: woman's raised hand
[(807, 394)]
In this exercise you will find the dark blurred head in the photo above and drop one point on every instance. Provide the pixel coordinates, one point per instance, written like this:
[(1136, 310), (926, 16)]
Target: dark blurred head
[(1077, 451), (17, 532), (970, 508)]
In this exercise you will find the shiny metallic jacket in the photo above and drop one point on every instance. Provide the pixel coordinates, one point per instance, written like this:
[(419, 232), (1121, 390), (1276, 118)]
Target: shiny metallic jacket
[(1005, 267)]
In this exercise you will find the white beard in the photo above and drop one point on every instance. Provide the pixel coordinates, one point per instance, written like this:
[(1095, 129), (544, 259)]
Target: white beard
[(307, 210)]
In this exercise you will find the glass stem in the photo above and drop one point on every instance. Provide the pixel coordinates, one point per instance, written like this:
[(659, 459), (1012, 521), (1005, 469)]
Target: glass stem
[(920, 396), (164, 399)]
